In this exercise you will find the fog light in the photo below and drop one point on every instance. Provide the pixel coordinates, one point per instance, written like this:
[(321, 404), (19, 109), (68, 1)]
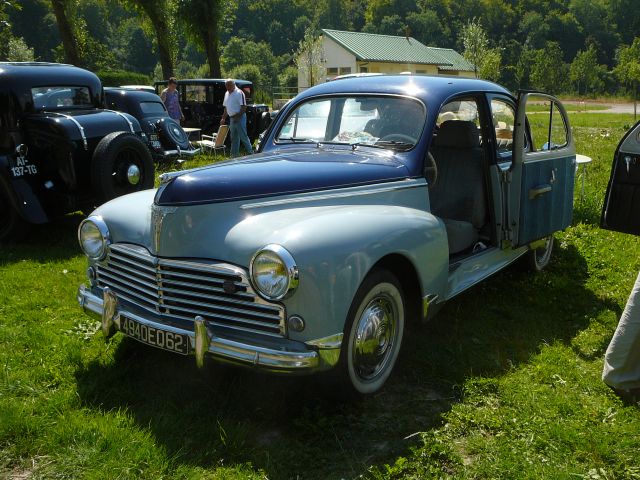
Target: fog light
[(92, 276), (296, 323)]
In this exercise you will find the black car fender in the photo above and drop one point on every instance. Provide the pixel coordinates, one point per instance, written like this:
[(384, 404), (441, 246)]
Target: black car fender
[(21, 194)]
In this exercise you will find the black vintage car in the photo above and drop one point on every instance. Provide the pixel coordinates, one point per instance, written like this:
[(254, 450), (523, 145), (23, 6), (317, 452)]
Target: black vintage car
[(166, 138), (201, 102), (60, 150)]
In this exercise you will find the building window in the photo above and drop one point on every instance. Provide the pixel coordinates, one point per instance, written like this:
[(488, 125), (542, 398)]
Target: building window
[(421, 71), (332, 71), (344, 70), (364, 69)]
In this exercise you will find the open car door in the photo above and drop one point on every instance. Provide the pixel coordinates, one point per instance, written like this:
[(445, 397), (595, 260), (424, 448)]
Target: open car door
[(543, 169), (621, 209)]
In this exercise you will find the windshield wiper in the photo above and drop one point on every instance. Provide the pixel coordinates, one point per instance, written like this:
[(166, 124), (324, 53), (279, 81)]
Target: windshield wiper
[(297, 140), (394, 144)]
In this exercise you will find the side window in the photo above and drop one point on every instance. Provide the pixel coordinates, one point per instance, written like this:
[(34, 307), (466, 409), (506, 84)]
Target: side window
[(307, 122), (503, 116), (548, 130), (462, 110), (196, 93)]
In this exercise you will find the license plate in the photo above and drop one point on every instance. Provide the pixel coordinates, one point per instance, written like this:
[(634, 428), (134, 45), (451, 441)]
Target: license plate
[(173, 342)]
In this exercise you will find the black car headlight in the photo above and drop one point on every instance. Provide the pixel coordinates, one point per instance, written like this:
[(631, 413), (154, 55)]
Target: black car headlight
[(94, 238), (274, 273)]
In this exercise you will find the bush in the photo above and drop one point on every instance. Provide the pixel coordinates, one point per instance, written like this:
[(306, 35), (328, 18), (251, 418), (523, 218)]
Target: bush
[(115, 78)]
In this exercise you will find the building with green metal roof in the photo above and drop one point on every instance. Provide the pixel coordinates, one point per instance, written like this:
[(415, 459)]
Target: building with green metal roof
[(355, 52)]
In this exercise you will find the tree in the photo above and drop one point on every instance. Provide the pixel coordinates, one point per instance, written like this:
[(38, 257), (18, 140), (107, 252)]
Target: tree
[(63, 10), (19, 51), (160, 13), (201, 19), (548, 70), (628, 68), (486, 61), (309, 58), (584, 71)]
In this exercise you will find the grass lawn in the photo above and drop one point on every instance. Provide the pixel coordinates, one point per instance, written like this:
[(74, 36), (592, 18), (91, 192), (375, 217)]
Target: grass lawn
[(503, 383)]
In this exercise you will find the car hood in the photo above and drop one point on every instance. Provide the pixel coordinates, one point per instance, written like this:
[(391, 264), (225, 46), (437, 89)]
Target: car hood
[(283, 172)]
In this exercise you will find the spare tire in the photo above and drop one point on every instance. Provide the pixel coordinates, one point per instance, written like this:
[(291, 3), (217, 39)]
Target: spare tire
[(172, 134), (121, 164)]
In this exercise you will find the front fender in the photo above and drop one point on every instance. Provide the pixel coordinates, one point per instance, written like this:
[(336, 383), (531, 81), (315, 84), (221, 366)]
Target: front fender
[(336, 246), (21, 195)]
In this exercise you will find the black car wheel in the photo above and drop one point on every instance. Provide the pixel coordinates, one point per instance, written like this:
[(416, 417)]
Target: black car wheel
[(121, 164), (172, 134), (12, 225)]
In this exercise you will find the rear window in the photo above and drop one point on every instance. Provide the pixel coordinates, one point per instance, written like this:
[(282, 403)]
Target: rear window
[(59, 97), (152, 107)]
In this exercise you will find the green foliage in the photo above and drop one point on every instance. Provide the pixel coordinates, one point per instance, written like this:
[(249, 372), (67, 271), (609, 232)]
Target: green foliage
[(628, 63), (18, 51), (115, 78), (585, 71), (247, 72), (486, 61), (238, 52), (548, 70)]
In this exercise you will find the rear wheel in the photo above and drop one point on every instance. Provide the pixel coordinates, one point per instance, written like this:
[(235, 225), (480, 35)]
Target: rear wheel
[(373, 334), (121, 164), (539, 258)]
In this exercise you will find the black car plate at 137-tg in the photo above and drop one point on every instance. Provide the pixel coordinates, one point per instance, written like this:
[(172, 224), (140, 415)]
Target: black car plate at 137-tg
[(173, 342)]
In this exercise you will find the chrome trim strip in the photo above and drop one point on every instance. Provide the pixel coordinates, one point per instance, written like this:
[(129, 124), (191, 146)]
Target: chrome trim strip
[(125, 118), (80, 127), (332, 341), (280, 361), (406, 184)]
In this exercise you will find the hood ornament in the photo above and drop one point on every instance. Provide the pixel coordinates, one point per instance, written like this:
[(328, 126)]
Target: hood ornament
[(158, 213)]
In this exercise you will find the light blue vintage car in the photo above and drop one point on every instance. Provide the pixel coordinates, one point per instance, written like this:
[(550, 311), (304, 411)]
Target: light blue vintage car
[(372, 201)]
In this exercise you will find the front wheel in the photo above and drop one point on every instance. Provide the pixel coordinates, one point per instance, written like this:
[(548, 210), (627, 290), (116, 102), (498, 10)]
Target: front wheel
[(373, 334)]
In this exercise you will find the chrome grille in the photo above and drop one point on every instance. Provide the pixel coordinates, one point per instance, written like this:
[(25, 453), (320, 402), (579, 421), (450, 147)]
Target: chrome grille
[(181, 289)]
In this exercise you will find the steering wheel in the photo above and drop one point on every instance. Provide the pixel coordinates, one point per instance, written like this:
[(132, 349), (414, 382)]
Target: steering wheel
[(431, 170), (398, 137)]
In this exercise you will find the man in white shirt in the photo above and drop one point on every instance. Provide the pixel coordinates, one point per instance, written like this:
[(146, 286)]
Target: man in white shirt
[(235, 106)]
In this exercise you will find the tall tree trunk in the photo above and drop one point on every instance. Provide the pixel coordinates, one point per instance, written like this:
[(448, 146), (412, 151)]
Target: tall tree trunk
[(211, 50), (157, 16), (67, 33)]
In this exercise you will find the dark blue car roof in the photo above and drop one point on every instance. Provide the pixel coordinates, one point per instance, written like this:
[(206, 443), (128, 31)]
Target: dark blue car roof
[(432, 90)]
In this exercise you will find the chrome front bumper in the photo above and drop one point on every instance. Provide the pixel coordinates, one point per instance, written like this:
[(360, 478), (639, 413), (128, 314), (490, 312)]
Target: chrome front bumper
[(180, 153), (203, 341)]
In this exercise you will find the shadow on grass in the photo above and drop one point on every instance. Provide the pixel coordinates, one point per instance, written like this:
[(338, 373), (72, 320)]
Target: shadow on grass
[(44, 243), (290, 426)]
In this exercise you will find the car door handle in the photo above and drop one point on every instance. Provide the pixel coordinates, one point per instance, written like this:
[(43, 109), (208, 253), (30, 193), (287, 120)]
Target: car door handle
[(539, 190)]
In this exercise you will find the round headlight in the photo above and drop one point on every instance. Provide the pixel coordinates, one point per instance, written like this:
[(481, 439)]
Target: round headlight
[(274, 273), (93, 236)]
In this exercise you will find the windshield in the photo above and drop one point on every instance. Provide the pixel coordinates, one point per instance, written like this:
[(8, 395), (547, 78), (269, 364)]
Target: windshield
[(48, 98), (388, 122), (152, 107)]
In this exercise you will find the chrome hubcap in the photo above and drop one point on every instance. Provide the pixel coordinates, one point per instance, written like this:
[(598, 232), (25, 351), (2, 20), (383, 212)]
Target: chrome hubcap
[(133, 174), (375, 337)]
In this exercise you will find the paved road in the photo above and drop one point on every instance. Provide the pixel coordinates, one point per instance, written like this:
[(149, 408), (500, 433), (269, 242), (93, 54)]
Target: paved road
[(613, 107)]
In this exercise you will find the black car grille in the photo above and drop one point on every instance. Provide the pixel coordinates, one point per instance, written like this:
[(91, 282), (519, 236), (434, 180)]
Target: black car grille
[(181, 289)]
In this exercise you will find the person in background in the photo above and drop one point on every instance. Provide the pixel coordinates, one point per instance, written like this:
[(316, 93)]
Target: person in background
[(171, 99), (235, 107)]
